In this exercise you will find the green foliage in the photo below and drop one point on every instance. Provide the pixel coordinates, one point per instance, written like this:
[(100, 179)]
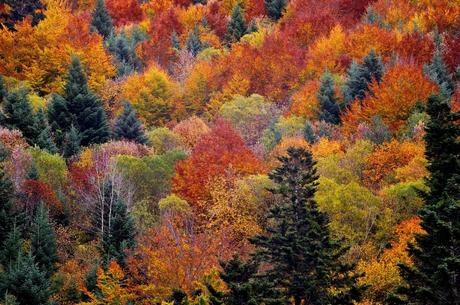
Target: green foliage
[(162, 140), (128, 127), (437, 71), (51, 168), (237, 26), (12, 246), (7, 213), (290, 126), (72, 142), (275, 8), (59, 118), (43, 130), (194, 44), (101, 21), (304, 260), (173, 203), (123, 49), (329, 108), (20, 9), (175, 43)]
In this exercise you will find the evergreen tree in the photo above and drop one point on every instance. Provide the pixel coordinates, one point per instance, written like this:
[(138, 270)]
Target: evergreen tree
[(128, 127), (72, 141), (43, 239), (309, 133), (361, 75), (329, 107), (252, 27), (434, 277), (20, 9), (175, 41), (120, 233), (44, 139), (88, 115), (2, 89), (194, 44), (11, 248), (59, 118), (275, 8), (304, 261), (6, 199), (438, 72), (237, 26), (123, 50), (25, 281), (19, 114), (102, 22)]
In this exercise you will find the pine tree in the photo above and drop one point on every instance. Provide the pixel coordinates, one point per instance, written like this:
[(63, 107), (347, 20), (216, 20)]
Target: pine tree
[(19, 114), (2, 89), (20, 9), (59, 118), (102, 22), (71, 146), (123, 50), (329, 107), (25, 281), (7, 213), (84, 107), (128, 127), (304, 261), (434, 277), (252, 27), (237, 26), (119, 235), (194, 44), (437, 71), (275, 8), (361, 75), (175, 44), (11, 248), (44, 139), (43, 246)]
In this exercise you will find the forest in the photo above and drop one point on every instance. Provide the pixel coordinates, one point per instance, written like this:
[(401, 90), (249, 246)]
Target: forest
[(229, 152)]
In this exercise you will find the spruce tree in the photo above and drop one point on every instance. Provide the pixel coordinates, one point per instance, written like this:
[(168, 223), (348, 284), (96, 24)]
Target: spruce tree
[(7, 213), (275, 8), (43, 239), (71, 145), (120, 233), (101, 21), (11, 248), (237, 26), (194, 44), (252, 27), (123, 50), (44, 139), (85, 108), (59, 118), (19, 114), (434, 277), (128, 127), (175, 44), (329, 107), (304, 262), (438, 72), (2, 89)]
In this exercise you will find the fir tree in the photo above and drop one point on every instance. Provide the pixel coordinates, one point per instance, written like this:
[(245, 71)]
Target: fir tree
[(128, 127), (329, 107), (19, 114), (194, 44), (237, 26), (44, 139), (304, 261), (437, 71), (252, 27), (2, 89), (434, 277), (309, 133), (124, 51), (59, 118), (11, 248), (6, 199), (43, 238), (275, 8), (84, 107), (175, 44), (102, 22), (71, 146), (361, 75)]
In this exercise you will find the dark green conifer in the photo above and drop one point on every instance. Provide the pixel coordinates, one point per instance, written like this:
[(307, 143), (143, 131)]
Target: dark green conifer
[(85, 108), (71, 145), (44, 139), (304, 262), (275, 8), (7, 213), (252, 27), (123, 50), (101, 21), (128, 127), (59, 118), (194, 44), (43, 239), (237, 26), (11, 248), (175, 44), (438, 72), (329, 108)]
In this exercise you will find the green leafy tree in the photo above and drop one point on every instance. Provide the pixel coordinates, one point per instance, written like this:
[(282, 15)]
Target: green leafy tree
[(85, 109), (20, 9), (43, 246), (237, 26), (304, 262), (275, 8), (434, 277), (101, 21), (329, 107), (128, 127)]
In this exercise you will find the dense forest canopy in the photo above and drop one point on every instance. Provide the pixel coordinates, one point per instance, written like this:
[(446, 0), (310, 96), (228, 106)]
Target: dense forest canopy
[(229, 152)]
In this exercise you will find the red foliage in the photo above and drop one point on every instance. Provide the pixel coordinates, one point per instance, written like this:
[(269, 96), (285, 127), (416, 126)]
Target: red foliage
[(216, 20), (37, 191), (452, 52), (415, 47), (124, 11), (219, 151), (254, 8), (352, 10)]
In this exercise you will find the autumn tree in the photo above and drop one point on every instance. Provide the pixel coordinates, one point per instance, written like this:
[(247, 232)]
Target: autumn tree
[(237, 26), (128, 127), (308, 269), (433, 278), (329, 107), (17, 10), (101, 21)]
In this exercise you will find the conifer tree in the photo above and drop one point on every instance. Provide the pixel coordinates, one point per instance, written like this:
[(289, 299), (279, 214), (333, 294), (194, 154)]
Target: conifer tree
[(175, 41), (11, 248), (71, 146), (2, 89), (19, 114), (43, 239), (59, 118), (237, 26), (434, 277), (194, 44), (437, 71), (101, 21), (304, 262), (128, 127), (44, 139), (252, 27), (275, 8), (361, 75), (124, 51), (6, 199), (85, 109), (329, 107)]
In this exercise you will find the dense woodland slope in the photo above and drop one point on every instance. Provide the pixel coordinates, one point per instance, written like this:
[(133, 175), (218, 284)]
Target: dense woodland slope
[(237, 152)]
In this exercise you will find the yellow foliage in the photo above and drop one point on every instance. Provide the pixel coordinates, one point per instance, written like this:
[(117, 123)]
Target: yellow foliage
[(325, 147)]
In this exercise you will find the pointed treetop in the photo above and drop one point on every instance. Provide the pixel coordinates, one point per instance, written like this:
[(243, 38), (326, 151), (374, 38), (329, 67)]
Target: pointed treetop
[(102, 22)]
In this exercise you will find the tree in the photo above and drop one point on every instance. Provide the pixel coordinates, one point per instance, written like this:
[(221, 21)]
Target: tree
[(6, 199), (329, 107), (193, 43), (123, 48), (85, 109), (438, 72), (128, 127), (71, 145), (43, 239), (304, 262), (275, 8), (361, 75), (19, 114), (237, 26), (434, 276), (44, 138), (101, 21), (59, 118), (11, 248), (19, 9)]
